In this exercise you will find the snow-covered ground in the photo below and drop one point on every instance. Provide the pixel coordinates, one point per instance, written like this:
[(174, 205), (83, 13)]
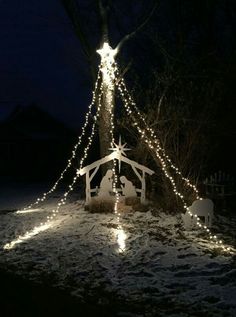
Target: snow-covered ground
[(144, 265)]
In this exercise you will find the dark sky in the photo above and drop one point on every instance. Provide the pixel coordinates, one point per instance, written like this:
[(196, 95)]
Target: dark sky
[(41, 60)]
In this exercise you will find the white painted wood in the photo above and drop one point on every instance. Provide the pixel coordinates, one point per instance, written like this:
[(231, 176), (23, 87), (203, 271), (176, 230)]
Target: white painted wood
[(128, 189), (143, 192), (109, 158), (98, 163), (88, 189), (137, 165), (106, 190), (202, 208), (137, 173), (94, 173)]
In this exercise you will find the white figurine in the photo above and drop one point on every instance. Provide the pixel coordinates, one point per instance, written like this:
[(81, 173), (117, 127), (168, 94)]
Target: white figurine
[(106, 185), (128, 190), (201, 208)]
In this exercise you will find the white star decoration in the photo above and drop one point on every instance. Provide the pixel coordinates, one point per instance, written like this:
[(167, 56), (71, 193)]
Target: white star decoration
[(107, 52), (120, 150)]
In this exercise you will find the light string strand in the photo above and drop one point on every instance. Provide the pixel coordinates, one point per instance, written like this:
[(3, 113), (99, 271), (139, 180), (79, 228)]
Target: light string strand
[(121, 236), (150, 131), (146, 133), (48, 223), (109, 70), (76, 146), (155, 145), (90, 139)]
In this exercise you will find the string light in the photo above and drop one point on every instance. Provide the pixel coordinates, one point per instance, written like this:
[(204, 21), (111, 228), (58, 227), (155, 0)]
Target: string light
[(151, 132), (109, 70), (26, 236), (73, 155), (149, 137), (48, 223), (154, 145)]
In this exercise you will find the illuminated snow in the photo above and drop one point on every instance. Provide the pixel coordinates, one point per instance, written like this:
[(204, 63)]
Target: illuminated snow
[(121, 238), (139, 257), (24, 211)]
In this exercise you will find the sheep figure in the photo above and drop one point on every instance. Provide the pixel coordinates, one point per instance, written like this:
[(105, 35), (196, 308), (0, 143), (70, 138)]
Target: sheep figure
[(204, 209)]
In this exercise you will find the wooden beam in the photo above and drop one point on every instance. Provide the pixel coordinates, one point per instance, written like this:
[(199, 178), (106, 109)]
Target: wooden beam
[(137, 173), (137, 165), (112, 156), (94, 173)]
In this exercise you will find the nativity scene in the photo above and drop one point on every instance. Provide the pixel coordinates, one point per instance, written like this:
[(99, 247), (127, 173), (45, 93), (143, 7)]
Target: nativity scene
[(106, 191)]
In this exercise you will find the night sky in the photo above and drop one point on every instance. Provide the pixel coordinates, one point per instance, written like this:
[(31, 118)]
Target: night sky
[(41, 61), (184, 56)]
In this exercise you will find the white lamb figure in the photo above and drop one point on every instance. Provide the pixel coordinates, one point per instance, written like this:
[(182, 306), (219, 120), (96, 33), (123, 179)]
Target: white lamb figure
[(128, 190), (201, 208)]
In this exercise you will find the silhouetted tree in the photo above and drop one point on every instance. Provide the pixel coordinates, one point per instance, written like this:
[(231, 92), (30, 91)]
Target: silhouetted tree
[(105, 12)]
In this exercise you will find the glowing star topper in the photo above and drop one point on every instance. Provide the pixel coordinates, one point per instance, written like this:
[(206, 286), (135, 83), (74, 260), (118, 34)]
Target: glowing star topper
[(120, 150), (107, 53), (107, 62)]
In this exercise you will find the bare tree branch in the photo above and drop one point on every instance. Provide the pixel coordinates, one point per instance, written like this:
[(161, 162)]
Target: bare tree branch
[(138, 28), (104, 21), (160, 102), (124, 71), (72, 12)]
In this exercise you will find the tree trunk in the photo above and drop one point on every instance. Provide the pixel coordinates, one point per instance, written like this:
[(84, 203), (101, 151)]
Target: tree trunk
[(107, 102), (105, 122)]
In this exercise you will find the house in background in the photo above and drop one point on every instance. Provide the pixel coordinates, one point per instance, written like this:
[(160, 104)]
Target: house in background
[(34, 145)]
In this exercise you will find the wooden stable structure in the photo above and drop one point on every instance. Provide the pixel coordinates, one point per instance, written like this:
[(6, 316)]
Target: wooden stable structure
[(91, 170)]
